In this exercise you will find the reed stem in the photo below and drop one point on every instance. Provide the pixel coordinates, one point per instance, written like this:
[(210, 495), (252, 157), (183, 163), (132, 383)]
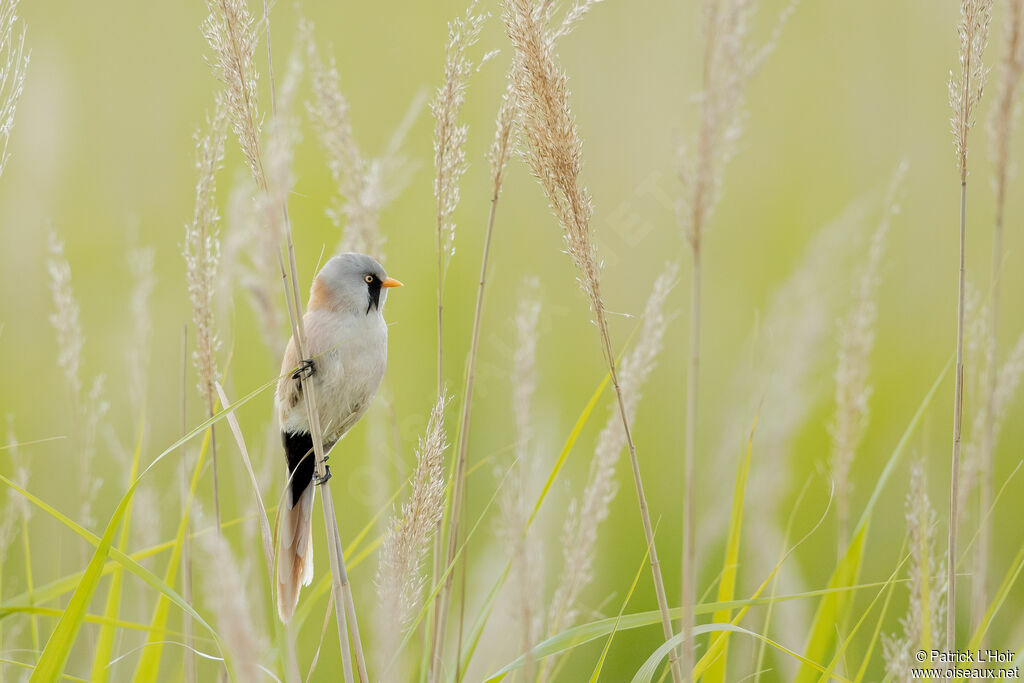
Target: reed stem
[(689, 579), (954, 487)]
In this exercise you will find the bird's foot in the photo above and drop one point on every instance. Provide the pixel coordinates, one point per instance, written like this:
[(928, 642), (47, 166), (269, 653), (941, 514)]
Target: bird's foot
[(320, 481), (306, 370)]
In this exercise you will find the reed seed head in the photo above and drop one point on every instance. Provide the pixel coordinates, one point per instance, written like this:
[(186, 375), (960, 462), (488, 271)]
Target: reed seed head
[(966, 87)]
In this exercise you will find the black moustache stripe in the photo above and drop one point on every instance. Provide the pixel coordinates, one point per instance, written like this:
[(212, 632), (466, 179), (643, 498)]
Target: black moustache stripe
[(373, 294)]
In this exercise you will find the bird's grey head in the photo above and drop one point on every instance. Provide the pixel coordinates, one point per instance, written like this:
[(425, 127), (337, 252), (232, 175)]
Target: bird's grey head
[(351, 283)]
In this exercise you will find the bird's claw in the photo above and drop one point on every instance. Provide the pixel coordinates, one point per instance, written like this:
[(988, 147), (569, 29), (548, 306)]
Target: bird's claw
[(306, 370), (320, 481)]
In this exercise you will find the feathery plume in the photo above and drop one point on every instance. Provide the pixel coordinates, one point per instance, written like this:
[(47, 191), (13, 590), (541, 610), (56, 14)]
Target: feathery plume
[(966, 87), (964, 95), (13, 65), (449, 133), (501, 147), (586, 513), (231, 31), (225, 591), (399, 575), (279, 151), (88, 409), (65, 319), (364, 187), (449, 166), (730, 60), (856, 341), (202, 253), (554, 154), (922, 624), (254, 247), (522, 546)]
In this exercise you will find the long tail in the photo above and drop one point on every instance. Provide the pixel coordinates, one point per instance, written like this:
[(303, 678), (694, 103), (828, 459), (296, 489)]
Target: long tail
[(295, 559), (295, 556)]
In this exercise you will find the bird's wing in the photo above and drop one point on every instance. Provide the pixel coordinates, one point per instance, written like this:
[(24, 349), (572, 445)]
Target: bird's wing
[(289, 389)]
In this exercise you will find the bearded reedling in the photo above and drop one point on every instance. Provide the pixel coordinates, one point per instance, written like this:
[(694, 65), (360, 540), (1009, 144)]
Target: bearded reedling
[(347, 339)]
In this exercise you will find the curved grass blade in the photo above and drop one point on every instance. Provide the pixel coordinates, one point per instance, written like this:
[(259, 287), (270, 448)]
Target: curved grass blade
[(58, 647), (727, 585), (103, 620), (841, 651), (105, 642), (66, 584), (874, 637), (608, 643), (832, 608), (148, 668), (759, 667), (23, 665), (585, 633), (713, 652), (650, 667), (1000, 597)]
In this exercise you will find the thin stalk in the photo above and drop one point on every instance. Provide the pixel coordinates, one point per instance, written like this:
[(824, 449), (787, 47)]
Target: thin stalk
[(467, 404), (186, 544), (689, 581), (645, 515), (440, 312), (213, 466), (498, 157), (954, 488)]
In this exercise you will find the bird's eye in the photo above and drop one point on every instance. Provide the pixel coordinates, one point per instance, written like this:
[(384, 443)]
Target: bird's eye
[(369, 279)]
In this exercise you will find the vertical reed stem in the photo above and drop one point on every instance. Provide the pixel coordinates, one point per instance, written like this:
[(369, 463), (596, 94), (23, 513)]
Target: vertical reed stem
[(186, 544), (954, 488), (462, 452), (645, 515), (689, 582)]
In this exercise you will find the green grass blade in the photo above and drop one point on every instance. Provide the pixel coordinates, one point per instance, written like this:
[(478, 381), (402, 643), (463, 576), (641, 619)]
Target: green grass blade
[(58, 647), (66, 584), (831, 609), (105, 641), (874, 637), (148, 668), (727, 585), (1000, 597), (841, 651), (585, 633), (119, 557), (23, 665), (762, 647), (650, 667), (102, 620), (615, 627)]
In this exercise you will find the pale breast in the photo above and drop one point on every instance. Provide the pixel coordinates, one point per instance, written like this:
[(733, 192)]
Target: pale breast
[(352, 355)]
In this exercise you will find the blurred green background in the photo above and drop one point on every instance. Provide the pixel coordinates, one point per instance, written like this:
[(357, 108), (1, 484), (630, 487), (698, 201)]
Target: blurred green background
[(103, 155)]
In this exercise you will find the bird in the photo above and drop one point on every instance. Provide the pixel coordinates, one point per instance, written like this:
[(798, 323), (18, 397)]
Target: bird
[(346, 354)]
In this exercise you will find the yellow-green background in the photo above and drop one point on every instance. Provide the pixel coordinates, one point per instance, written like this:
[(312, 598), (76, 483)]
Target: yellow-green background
[(102, 147)]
